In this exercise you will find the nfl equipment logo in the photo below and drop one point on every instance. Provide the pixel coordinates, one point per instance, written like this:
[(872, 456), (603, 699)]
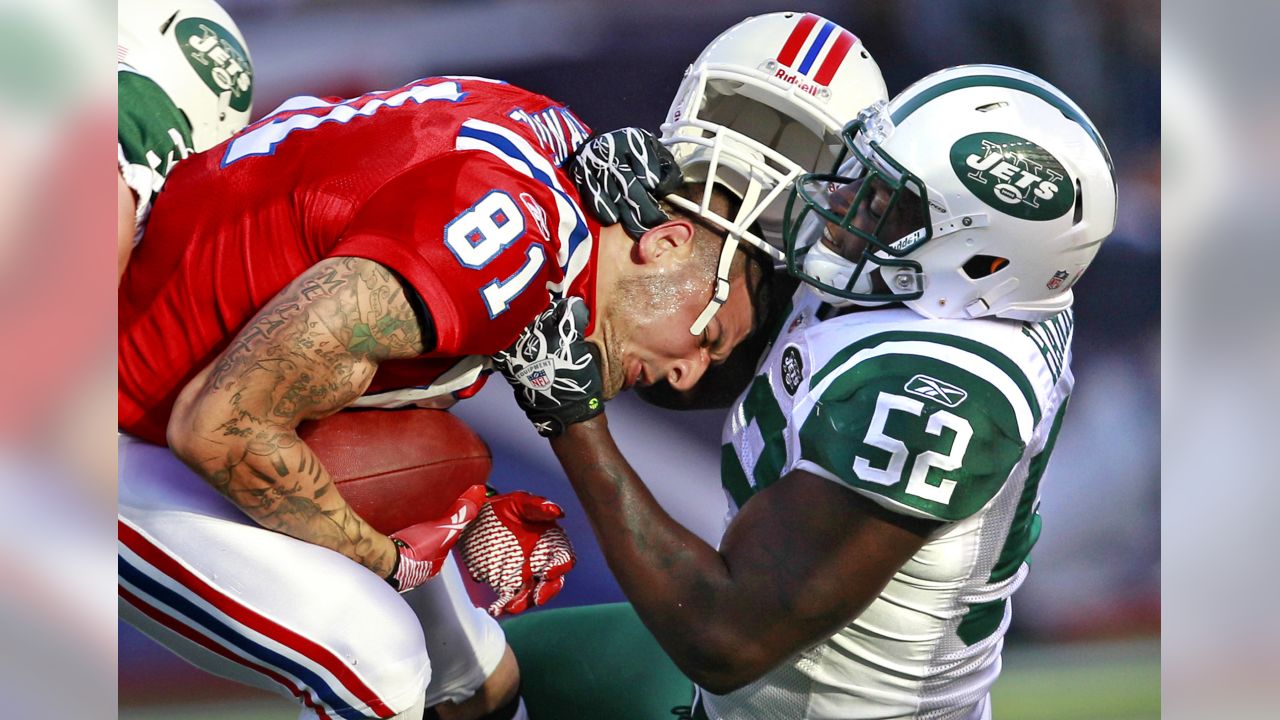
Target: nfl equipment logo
[(539, 375), (1055, 282)]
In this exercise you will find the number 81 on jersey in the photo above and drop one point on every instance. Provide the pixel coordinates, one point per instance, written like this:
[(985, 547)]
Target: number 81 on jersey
[(481, 233)]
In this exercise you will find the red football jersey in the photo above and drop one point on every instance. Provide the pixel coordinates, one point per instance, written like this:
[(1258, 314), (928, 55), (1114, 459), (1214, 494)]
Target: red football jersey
[(453, 183)]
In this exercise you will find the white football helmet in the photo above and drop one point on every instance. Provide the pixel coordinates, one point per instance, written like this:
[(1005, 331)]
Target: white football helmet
[(1019, 194), (196, 54), (764, 103)]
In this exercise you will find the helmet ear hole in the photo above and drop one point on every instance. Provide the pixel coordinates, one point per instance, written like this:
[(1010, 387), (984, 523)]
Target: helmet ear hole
[(1079, 210), (980, 266)]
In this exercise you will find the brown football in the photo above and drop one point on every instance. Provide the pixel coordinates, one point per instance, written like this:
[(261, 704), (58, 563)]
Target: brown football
[(398, 467)]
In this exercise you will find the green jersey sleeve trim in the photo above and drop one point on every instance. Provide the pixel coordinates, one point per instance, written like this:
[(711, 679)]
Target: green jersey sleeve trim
[(978, 358), (1024, 531)]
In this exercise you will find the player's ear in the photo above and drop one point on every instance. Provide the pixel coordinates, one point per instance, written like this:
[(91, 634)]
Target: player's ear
[(672, 240)]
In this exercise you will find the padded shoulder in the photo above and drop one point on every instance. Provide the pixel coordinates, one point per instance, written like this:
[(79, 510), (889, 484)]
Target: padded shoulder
[(927, 424)]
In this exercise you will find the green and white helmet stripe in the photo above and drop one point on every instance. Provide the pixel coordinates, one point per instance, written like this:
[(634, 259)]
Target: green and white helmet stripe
[(979, 75), (152, 135)]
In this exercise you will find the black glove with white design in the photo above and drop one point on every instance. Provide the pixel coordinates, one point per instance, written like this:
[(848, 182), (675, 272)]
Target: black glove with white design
[(623, 174), (552, 369)]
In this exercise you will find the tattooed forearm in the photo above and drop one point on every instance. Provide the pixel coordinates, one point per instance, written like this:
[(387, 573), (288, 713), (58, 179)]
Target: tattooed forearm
[(308, 353)]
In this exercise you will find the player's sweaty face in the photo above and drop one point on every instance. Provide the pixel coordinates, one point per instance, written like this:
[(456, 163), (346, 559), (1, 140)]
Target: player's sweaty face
[(646, 336)]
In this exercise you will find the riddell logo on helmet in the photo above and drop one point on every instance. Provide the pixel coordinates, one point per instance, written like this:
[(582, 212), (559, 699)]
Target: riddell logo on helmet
[(798, 80), (1013, 175)]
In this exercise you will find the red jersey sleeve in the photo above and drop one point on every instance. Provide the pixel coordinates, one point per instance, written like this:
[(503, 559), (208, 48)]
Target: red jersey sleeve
[(480, 242)]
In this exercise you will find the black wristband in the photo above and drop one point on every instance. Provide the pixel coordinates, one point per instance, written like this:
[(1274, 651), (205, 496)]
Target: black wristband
[(395, 567)]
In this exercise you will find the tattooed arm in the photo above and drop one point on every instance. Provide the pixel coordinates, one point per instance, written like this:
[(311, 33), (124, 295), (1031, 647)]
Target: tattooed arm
[(801, 560), (308, 353)]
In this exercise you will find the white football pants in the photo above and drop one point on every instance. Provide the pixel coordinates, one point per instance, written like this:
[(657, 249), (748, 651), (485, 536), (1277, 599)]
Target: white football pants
[(274, 612)]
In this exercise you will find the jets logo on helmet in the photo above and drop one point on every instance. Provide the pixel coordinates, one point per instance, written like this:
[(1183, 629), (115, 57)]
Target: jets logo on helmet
[(1013, 175), (218, 58)]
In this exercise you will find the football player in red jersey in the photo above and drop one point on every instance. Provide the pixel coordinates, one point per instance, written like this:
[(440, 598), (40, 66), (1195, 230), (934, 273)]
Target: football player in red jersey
[(368, 252)]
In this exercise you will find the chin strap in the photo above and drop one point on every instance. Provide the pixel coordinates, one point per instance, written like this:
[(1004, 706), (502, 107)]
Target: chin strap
[(745, 217)]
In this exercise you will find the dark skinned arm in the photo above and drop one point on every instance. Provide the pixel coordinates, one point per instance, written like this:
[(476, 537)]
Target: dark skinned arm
[(311, 351), (800, 561)]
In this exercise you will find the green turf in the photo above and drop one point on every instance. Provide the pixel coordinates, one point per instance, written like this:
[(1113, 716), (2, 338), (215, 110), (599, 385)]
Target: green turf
[(1099, 681), (1113, 681)]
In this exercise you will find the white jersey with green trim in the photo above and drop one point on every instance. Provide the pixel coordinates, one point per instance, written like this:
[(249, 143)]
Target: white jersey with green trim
[(949, 420)]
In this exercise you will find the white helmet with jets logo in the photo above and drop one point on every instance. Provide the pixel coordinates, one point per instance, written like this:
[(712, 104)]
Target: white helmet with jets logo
[(1018, 194), (764, 103), (196, 54)]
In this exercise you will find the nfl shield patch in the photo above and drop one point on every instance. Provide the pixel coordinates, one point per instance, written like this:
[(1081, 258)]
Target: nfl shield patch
[(539, 375)]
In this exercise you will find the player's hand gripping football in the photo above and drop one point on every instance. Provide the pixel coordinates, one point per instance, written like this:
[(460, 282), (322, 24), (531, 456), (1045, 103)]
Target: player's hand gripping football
[(552, 369), (622, 174), (421, 549), (516, 548)]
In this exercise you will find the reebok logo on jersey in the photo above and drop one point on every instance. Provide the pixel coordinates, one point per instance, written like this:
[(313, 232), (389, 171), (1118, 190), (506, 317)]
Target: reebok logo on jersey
[(792, 369), (539, 215), (934, 389)]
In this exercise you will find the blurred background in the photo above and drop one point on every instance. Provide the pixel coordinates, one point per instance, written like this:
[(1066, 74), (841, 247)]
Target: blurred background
[(1086, 625)]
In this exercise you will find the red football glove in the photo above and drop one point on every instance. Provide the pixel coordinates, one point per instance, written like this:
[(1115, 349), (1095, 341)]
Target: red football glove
[(516, 548), (421, 549)]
